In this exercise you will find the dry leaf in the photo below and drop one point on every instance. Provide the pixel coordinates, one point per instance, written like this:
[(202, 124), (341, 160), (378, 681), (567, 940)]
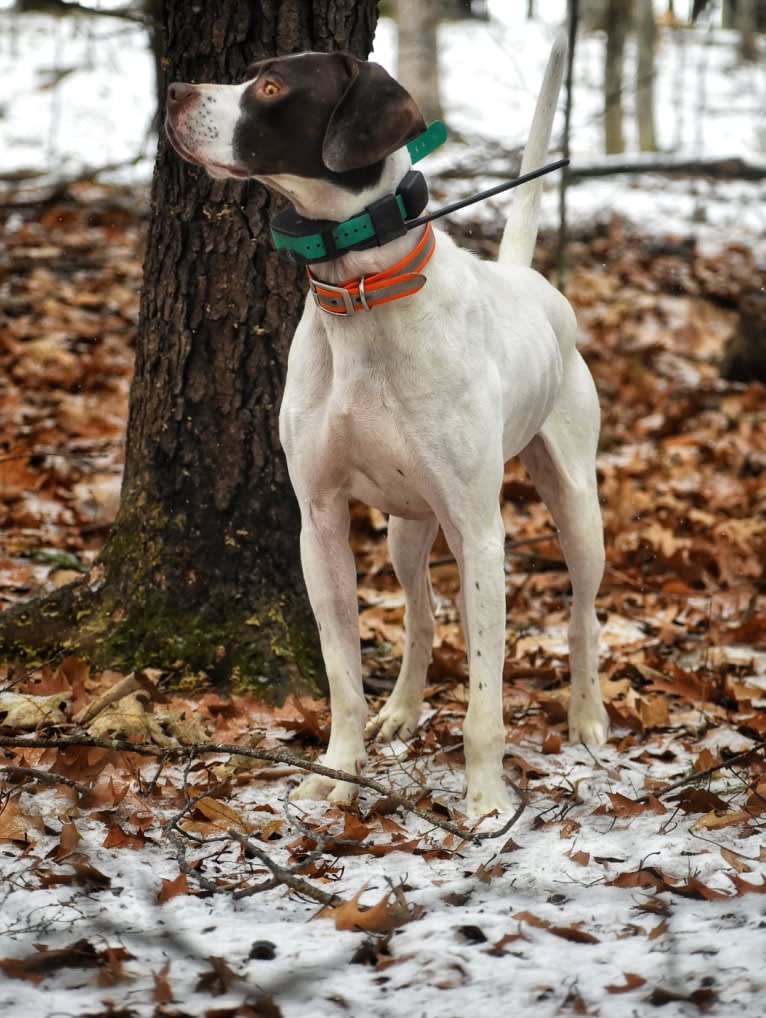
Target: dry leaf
[(221, 815), (391, 912), (18, 825), (172, 888), (27, 713), (632, 982)]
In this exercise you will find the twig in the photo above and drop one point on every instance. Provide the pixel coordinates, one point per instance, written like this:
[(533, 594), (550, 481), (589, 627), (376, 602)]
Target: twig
[(44, 777), (282, 875), (692, 779), (269, 755)]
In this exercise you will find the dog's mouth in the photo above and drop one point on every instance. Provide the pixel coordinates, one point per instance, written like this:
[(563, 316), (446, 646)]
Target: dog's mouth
[(214, 169)]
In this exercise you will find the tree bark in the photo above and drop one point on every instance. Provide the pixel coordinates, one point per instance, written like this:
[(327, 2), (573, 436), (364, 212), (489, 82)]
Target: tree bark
[(617, 21), (418, 60), (646, 41), (201, 571), (747, 24)]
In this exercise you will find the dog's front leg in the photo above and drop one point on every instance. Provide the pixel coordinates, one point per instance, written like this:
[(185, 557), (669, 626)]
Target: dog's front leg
[(330, 575), (480, 551)]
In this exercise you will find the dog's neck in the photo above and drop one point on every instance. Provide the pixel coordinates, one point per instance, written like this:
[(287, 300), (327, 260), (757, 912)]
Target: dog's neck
[(321, 199)]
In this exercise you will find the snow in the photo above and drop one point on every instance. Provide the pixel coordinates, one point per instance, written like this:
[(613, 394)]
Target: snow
[(100, 113), (676, 943)]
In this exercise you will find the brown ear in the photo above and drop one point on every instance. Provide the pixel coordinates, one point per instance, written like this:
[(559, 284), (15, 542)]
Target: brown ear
[(373, 117)]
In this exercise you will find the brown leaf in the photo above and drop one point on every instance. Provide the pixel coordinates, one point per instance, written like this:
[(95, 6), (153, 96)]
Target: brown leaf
[(27, 713), (221, 815), (531, 920), (581, 858), (69, 839), (745, 886), (714, 821), (632, 982), (622, 806), (659, 930), (388, 914), (119, 838), (498, 948), (219, 980), (36, 966), (574, 934), (172, 888), (162, 992), (735, 861), (699, 800), (18, 825), (552, 742)]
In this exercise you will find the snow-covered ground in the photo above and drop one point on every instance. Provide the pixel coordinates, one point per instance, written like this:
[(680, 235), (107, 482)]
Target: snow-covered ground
[(597, 906), (79, 93), (593, 907)]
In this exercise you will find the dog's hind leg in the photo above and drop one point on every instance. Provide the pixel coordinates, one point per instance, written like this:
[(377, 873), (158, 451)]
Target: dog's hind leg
[(409, 543), (561, 460), (330, 574)]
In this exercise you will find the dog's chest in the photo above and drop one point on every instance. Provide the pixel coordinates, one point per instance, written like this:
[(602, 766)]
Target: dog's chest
[(366, 431)]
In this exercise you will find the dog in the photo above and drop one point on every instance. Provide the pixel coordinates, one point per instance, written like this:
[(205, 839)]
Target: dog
[(416, 372)]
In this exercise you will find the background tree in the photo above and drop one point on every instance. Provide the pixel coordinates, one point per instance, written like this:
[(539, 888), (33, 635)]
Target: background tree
[(618, 17), (646, 44), (201, 568), (418, 55)]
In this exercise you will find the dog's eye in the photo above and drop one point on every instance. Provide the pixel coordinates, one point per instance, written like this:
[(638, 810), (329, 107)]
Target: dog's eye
[(268, 88)]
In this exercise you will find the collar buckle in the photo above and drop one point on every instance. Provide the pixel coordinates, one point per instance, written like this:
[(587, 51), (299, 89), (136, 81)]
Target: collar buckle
[(332, 294)]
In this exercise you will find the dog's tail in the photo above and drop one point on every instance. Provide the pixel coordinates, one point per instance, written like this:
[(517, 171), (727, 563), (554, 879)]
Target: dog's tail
[(520, 232)]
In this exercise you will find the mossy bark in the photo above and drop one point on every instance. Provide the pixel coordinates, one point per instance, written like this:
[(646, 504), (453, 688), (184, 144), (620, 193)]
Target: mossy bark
[(201, 571)]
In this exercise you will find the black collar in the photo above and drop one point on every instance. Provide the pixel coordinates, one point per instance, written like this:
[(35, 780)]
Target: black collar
[(321, 240)]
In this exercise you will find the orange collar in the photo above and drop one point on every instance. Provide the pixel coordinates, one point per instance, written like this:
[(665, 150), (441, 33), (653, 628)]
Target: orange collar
[(401, 280)]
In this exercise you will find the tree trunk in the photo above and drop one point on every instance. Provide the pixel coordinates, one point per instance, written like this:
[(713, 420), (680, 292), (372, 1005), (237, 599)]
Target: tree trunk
[(744, 358), (617, 21), (418, 60), (201, 571), (746, 18), (646, 35)]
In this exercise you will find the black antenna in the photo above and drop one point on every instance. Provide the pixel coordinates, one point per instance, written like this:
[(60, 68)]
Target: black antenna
[(532, 175)]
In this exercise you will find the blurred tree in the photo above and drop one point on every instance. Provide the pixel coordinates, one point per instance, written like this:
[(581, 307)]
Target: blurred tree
[(646, 38), (746, 22), (418, 58), (202, 571), (618, 18)]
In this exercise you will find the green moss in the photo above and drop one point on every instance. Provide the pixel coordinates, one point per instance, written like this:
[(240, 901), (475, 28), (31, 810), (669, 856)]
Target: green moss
[(123, 617)]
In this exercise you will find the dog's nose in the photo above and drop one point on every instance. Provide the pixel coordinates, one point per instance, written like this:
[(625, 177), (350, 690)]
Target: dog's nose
[(180, 93)]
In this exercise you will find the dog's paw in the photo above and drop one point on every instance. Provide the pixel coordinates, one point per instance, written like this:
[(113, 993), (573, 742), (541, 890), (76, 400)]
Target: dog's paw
[(394, 722), (589, 726), (487, 797), (319, 788)]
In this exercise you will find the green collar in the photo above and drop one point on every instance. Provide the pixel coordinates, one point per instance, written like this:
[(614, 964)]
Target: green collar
[(433, 136), (311, 240)]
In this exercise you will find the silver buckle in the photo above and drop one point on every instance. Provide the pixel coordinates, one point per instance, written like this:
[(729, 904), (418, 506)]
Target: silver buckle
[(341, 292), (363, 295)]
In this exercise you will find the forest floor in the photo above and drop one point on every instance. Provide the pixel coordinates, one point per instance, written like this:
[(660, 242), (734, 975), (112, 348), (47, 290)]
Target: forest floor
[(182, 882)]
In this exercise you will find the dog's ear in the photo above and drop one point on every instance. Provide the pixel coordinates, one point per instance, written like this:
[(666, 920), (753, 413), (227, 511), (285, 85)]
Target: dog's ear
[(372, 118)]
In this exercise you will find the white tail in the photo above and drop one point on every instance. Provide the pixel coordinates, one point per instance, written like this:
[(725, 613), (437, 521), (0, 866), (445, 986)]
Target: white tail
[(520, 232)]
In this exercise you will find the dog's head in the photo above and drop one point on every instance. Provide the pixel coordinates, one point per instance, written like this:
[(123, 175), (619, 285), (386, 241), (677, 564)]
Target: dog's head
[(324, 116)]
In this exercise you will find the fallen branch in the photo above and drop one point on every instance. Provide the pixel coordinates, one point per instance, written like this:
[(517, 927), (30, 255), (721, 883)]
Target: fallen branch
[(269, 756), (43, 777), (727, 168), (281, 874), (692, 779)]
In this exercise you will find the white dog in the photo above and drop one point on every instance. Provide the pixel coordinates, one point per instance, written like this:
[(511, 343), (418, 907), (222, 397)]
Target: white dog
[(416, 372)]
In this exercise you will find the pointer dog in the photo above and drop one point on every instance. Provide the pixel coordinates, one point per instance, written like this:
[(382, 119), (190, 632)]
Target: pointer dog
[(415, 373)]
